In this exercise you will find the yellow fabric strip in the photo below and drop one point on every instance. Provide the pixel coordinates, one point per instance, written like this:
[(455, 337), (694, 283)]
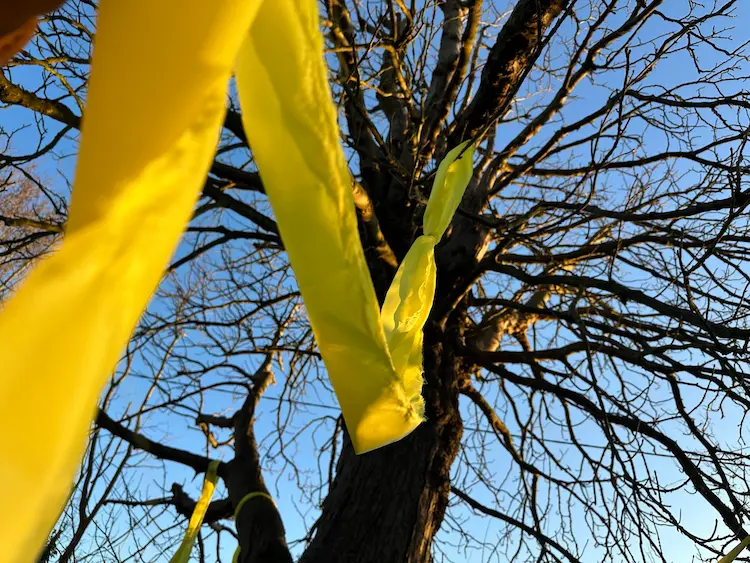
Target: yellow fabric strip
[(409, 299), (287, 108), (732, 555), (155, 104), (290, 122), (247, 497), (196, 518)]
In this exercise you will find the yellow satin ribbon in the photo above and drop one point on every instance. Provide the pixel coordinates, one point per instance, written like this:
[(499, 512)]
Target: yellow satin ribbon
[(155, 103), (732, 555), (196, 518), (374, 363)]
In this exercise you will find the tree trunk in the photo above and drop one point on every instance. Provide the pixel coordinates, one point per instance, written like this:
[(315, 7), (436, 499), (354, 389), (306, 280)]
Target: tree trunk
[(387, 505)]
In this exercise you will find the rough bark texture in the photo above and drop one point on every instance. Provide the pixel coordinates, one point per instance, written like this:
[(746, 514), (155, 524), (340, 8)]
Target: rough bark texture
[(259, 525), (515, 48), (386, 506)]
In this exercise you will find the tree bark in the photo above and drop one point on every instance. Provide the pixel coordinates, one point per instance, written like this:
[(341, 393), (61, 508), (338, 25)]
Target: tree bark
[(260, 529), (387, 505)]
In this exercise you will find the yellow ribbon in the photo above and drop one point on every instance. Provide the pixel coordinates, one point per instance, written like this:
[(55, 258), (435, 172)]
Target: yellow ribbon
[(247, 497), (199, 512), (374, 363), (732, 555), (155, 103)]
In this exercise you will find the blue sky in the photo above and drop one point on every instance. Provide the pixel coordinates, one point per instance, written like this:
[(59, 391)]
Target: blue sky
[(320, 402)]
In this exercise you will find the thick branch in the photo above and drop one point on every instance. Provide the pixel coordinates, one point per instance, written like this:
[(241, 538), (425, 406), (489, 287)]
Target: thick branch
[(542, 538), (375, 235), (217, 510), (12, 94), (214, 420), (513, 51), (243, 179), (627, 294), (198, 463), (233, 123), (450, 68)]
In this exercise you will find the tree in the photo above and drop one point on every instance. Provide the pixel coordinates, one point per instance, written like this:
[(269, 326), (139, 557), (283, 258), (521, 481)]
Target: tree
[(585, 357)]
